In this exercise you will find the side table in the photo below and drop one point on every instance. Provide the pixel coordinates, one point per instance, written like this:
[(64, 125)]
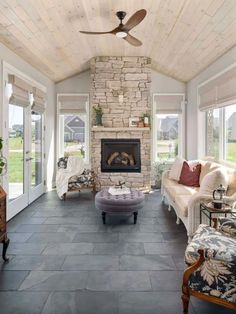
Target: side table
[(209, 211)]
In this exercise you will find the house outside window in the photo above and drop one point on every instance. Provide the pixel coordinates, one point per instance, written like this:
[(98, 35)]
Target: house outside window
[(168, 126), (167, 135), (73, 133)]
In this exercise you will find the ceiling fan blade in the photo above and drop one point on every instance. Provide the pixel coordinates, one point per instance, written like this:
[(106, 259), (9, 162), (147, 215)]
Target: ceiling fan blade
[(95, 33), (135, 19), (133, 41)]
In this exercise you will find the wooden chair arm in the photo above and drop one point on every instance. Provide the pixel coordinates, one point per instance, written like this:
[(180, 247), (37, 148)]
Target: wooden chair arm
[(191, 269)]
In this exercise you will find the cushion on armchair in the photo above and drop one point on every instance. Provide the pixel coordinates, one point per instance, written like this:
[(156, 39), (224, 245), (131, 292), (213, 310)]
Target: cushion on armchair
[(85, 179), (228, 226), (217, 274)]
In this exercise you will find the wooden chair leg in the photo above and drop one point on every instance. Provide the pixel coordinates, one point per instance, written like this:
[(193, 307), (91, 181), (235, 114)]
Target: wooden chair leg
[(135, 217), (5, 243), (104, 218), (64, 196), (185, 300)]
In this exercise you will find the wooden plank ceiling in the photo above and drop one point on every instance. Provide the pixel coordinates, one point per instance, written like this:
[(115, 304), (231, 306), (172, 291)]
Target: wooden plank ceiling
[(181, 36)]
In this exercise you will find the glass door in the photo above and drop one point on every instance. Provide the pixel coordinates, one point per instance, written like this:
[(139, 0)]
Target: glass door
[(36, 156), (17, 165), (25, 158)]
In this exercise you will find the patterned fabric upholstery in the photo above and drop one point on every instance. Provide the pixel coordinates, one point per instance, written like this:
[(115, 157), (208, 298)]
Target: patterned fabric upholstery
[(85, 180), (217, 275)]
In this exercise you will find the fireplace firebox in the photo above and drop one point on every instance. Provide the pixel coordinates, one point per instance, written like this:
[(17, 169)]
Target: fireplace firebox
[(120, 155)]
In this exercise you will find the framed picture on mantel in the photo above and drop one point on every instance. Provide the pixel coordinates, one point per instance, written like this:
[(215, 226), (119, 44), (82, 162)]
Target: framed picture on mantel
[(133, 122)]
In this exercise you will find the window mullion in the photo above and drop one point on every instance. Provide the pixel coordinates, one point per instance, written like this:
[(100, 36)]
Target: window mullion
[(222, 135)]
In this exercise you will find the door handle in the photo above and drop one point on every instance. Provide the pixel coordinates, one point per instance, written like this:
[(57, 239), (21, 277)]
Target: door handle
[(28, 159)]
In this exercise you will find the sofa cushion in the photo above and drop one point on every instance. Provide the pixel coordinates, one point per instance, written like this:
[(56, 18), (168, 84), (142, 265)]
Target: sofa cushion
[(212, 181), (184, 190), (176, 168), (190, 174), (181, 191)]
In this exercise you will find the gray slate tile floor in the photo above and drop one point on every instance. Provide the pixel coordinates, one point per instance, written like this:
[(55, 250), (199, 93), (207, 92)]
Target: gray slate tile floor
[(63, 260)]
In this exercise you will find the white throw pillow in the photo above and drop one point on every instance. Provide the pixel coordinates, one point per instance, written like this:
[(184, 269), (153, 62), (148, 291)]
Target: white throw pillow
[(176, 168), (212, 181)]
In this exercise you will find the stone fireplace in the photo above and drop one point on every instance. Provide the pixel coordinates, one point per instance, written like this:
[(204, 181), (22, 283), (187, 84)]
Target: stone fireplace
[(120, 155), (121, 86)]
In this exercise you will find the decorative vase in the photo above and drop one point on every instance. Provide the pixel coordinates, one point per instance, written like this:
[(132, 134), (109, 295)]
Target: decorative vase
[(99, 119), (146, 121)]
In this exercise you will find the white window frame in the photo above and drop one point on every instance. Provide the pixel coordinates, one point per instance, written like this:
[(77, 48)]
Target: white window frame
[(222, 137), (182, 139), (87, 126)]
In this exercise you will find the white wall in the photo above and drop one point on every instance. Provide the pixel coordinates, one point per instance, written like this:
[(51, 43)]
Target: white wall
[(76, 84), (11, 58), (165, 84), (81, 84), (195, 120)]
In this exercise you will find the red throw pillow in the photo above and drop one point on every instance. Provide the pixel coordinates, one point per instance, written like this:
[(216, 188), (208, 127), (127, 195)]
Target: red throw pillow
[(190, 175)]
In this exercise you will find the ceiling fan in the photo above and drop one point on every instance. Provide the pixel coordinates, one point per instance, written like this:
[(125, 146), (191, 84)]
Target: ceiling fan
[(122, 31)]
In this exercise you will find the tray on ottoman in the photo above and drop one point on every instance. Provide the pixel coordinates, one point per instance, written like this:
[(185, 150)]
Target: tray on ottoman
[(119, 204)]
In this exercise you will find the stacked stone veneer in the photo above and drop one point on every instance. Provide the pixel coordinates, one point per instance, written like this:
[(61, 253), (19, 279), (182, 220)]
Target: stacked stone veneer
[(131, 78)]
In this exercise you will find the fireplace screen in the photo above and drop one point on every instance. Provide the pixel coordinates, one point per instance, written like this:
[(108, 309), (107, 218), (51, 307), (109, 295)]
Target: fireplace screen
[(120, 155)]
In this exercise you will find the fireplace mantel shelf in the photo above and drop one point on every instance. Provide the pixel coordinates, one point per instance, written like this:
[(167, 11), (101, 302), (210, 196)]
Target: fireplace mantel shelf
[(130, 129)]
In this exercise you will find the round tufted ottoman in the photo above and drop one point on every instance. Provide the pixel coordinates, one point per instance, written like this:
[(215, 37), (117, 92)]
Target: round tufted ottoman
[(120, 204)]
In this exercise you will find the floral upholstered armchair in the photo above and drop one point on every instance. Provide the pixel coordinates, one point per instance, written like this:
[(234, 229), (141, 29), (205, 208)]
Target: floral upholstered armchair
[(211, 257), (87, 180)]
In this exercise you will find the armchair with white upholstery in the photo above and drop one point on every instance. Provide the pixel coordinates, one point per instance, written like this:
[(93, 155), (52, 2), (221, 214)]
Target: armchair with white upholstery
[(86, 180)]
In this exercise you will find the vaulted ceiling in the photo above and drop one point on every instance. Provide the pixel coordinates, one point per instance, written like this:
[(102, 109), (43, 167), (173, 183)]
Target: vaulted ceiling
[(181, 36)]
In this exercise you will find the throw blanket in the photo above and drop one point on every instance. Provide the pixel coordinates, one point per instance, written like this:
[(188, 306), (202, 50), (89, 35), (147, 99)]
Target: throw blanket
[(75, 166)]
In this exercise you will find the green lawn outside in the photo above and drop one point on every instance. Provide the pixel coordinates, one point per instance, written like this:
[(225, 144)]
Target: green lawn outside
[(163, 149), (15, 167), (15, 143), (231, 152)]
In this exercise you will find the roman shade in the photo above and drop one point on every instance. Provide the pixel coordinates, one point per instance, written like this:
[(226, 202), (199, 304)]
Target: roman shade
[(20, 91), (168, 103), (39, 103), (72, 104), (218, 92)]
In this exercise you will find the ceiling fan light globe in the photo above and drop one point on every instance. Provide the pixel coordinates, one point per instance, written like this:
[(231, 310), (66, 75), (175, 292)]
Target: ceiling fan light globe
[(121, 34)]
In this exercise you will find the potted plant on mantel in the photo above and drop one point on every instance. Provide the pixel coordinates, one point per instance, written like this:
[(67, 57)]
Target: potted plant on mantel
[(98, 114), (146, 119)]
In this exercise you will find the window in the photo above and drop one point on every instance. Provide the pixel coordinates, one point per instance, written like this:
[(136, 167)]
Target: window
[(73, 134), (167, 136), (230, 133), (221, 133), (168, 126), (213, 138), (73, 125)]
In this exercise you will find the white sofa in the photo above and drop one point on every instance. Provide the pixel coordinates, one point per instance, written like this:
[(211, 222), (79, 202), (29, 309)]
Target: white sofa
[(186, 200)]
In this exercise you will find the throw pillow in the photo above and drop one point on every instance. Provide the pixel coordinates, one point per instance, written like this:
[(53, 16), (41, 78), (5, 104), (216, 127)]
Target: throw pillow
[(190, 174), (212, 181), (232, 183), (207, 167), (176, 168)]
